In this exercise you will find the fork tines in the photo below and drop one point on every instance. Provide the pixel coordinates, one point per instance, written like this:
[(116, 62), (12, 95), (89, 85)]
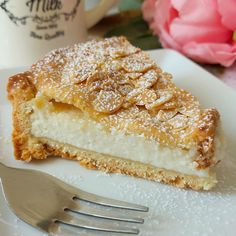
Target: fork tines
[(91, 211)]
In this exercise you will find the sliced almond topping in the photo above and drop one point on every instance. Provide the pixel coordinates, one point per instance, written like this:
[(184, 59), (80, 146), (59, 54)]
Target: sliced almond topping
[(109, 84), (128, 113), (144, 115), (137, 63), (125, 89), (132, 76), (81, 78), (107, 102), (145, 97), (165, 115), (95, 77), (165, 96), (141, 96), (126, 104), (100, 81), (120, 48), (94, 82), (125, 79), (133, 94), (164, 82), (121, 52), (83, 73), (178, 122), (188, 111), (169, 105), (148, 79), (95, 86)]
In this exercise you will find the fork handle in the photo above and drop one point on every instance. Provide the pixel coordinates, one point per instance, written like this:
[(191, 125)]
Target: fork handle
[(4, 170)]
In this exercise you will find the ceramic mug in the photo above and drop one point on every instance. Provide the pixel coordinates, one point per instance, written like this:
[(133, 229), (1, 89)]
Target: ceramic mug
[(31, 28)]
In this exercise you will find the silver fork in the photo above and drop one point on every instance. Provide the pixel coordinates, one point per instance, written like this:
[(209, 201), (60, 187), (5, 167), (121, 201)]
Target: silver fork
[(44, 202)]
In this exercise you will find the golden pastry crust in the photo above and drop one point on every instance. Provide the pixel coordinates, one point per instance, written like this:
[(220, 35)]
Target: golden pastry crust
[(119, 86), (20, 92), (26, 147)]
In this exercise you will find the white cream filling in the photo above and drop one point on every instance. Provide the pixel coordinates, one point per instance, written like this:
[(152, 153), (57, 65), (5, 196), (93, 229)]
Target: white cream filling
[(70, 127)]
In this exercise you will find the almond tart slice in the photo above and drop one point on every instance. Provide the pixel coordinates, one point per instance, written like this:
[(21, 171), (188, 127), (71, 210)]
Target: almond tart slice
[(109, 106)]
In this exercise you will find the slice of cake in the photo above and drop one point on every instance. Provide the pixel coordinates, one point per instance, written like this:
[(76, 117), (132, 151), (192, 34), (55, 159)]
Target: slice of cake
[(109, 106)]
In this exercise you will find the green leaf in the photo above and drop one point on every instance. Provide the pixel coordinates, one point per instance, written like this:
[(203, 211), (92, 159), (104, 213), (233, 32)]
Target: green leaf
[(147, 42), (133, 29), (125, 5), (137, 32)]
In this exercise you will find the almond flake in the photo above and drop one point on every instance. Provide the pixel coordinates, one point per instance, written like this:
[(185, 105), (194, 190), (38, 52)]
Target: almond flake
[(145, 97), (178, 122), (169, 105), (132, 76), (137, 63), (125, 89), (83, 73), (165, 115), (165, 96), (187, 111), (108, 102), (133, 94), (148, 79), (95, 85)]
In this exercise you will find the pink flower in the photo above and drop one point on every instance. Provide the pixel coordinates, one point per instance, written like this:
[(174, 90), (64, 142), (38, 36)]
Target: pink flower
[(201, 29)]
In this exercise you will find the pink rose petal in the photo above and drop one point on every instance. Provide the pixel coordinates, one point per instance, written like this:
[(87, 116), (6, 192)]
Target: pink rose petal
[(198, 32), (197, 11), (227, 9), (213, 53)]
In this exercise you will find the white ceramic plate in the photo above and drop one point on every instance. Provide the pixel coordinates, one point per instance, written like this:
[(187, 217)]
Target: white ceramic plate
[(172, 211)]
